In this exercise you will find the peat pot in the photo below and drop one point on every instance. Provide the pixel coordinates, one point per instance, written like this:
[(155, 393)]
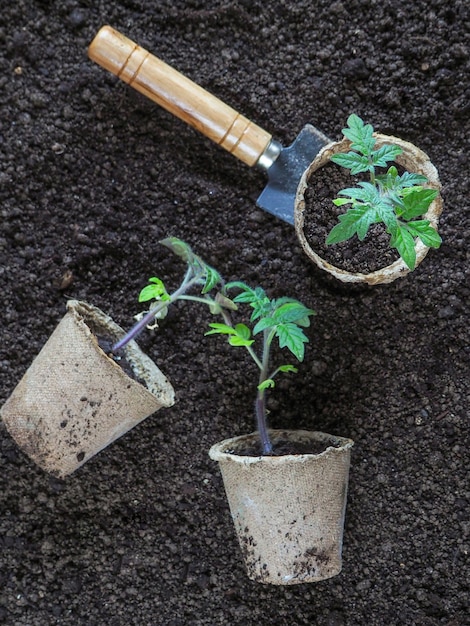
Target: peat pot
[(413, 160), (288, 510), (74, 399)]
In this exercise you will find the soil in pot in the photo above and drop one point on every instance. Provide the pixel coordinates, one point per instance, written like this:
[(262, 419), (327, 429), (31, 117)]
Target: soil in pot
[(282, 446), (106, 344), (321, 215), (412, 159)]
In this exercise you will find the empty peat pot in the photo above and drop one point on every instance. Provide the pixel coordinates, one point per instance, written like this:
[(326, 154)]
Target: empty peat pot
[(413, 160), (288, 510), (74, 399)]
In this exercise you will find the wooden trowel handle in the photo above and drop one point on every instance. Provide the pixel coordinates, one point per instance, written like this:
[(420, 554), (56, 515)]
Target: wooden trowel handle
[(179, 95)]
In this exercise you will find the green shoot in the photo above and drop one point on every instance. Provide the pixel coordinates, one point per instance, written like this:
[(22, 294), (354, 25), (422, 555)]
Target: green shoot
[(283, 319), (389, 198), (198, 274)]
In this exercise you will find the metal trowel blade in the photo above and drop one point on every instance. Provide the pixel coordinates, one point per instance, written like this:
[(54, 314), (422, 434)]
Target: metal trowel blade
[(278, 197)]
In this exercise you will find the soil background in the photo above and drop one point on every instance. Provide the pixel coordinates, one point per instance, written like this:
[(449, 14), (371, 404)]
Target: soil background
[(92, 175)]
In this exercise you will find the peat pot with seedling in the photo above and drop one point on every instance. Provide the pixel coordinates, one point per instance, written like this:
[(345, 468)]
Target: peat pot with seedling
[(74, 399), (286, 489), (401, 207)]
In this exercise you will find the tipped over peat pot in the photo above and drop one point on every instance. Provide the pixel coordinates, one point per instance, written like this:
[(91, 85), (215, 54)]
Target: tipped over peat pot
[(288, 510), (413, 160), (74, 400)]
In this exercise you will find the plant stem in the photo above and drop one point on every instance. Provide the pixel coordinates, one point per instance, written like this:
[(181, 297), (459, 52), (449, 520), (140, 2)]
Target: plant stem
[(141, 324), (260, 408), (266, 444)]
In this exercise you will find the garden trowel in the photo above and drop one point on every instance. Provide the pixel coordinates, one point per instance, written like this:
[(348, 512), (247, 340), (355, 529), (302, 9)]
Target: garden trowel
[(216, 120)]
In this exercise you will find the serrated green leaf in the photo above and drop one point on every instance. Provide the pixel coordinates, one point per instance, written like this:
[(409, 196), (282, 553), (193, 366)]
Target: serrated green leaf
[(263, 324), (404, 242), (355, 221), (360, 134), (383, 155), (352, 161), (428, 235), (291, 312), (293, 338), (248, 294), (288, 368), (366, 192), (409, 179), (256, 298), (416, 202), (386, 214)]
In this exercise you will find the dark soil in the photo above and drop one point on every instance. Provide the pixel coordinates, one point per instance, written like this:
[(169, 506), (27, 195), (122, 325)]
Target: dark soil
[(106, 345), (321, 215), (92, 176), (282, 447)]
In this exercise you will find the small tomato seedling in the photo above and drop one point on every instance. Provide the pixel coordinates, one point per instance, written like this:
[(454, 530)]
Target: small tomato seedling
[(396, 200), (282, 319)]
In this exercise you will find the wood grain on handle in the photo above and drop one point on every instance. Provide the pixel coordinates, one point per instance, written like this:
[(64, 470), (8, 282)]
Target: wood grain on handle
[(179, 95)]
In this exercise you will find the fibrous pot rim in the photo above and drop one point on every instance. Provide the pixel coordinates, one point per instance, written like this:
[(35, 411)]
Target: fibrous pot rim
[(412, 159)]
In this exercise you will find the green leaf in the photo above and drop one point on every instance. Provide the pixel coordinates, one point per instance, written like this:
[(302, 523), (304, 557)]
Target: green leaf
[(263, 324), (179, 247), (386, 214), (287, 368), (359, 134), (213, 277), (355, 221), (386, 153), (341, 201), (293, 338), (352, 161), (242, 331), (366, 192), (293, 311), (248, 294), (288, 311), (238, 335), (416, 202), (256, 298), (220, 329), (409, 179), (240, 341), (428, 235), (404, 242), (266, 384), (156, 290)]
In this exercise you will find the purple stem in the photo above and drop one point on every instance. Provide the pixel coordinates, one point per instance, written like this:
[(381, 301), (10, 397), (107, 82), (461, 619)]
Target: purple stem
[(260, 407)]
